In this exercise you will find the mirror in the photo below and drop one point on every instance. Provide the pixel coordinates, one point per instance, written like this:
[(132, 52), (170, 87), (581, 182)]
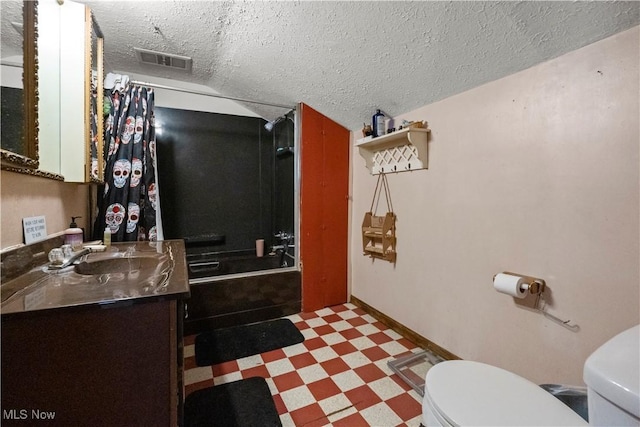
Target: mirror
[(20, 152), (59, 53)]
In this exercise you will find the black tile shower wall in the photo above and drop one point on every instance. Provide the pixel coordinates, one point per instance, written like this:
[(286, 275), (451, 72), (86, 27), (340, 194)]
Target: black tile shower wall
[(215, 175)]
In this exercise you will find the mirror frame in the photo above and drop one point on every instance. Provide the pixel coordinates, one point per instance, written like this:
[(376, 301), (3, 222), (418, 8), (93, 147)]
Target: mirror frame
[(27, 162), (90, 30)]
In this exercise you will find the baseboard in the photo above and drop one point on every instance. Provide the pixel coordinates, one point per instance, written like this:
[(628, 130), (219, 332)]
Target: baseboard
[(403, 330)]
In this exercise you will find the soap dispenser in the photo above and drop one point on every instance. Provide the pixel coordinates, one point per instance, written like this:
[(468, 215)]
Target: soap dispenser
[(74, 235)]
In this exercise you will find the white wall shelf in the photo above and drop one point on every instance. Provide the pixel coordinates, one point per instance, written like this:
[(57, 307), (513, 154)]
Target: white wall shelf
[(398, 151)]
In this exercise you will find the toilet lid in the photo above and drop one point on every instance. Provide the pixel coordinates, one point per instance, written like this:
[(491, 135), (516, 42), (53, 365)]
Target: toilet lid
[(467, 393)]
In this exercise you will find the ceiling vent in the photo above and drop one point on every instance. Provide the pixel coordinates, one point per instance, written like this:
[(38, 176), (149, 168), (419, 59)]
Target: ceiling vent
[(176, 62)]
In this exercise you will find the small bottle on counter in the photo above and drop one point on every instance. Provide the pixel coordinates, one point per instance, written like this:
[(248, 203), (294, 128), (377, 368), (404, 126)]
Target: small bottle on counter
[(106, 240)]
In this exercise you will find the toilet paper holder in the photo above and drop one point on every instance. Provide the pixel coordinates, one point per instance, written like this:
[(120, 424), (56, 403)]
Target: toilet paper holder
[(533, 285), (536, 286)]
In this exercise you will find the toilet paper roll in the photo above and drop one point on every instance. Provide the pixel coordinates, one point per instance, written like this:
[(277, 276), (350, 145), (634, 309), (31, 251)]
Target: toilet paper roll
[(515, 286)]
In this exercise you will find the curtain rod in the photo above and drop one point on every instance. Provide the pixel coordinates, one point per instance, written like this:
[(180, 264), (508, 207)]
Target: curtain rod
[(195, 92)]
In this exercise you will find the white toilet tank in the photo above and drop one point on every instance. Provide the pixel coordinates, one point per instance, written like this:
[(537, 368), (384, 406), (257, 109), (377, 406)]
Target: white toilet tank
[(612, 375)]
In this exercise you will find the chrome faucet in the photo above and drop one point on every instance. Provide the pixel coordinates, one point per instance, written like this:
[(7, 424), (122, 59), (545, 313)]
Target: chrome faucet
[(283, 235), (73, 258), (286, 243)]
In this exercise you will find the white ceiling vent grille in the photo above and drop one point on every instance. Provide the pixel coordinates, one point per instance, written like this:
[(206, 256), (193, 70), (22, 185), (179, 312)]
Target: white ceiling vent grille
[(176, 62)]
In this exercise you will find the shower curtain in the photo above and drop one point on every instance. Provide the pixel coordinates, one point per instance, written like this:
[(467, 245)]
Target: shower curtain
[(128, 202)]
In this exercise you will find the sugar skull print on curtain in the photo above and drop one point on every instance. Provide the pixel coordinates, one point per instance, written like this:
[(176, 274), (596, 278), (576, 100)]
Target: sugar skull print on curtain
[(128, 205)]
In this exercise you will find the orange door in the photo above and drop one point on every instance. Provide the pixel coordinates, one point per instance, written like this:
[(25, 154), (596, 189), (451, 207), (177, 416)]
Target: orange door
[(324, 192)]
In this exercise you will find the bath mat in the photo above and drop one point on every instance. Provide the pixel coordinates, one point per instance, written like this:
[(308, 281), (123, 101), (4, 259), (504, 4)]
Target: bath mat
[(223, 345), (243, 403)]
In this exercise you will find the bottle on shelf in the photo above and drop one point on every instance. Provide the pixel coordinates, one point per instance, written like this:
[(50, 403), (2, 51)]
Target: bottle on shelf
[(377, 123)]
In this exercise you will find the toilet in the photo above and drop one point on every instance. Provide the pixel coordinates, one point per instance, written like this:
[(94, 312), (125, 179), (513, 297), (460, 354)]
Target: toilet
[(612, 375), (468, 393)]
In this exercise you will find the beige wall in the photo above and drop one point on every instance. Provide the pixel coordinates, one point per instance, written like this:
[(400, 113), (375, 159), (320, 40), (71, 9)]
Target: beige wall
[(25, 196), (536, 173)]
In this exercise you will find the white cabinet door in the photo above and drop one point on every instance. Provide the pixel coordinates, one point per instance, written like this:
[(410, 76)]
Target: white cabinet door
[(61, 87)]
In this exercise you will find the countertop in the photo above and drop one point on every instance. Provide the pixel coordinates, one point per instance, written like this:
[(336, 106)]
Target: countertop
[(126, 272)]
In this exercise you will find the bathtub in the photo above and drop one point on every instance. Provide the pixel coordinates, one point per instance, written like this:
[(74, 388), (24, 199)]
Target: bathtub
[(236, 288), (212, 264)]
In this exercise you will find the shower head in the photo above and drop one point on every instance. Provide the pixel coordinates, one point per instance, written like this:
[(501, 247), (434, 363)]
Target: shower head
[(269, 125)]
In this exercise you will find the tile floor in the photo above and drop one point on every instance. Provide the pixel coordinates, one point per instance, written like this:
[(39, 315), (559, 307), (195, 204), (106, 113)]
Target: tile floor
[(337, 377)]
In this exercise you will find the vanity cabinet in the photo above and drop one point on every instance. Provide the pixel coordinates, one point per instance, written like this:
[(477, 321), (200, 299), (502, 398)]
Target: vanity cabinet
[(107, 365)]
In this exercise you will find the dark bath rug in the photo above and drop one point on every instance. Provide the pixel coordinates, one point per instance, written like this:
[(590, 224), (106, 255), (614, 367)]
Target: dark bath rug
[(243, 403), (223, 345)]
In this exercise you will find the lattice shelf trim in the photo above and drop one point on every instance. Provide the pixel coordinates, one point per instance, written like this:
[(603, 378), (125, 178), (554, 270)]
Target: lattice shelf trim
[(400, 151), (396, 159)]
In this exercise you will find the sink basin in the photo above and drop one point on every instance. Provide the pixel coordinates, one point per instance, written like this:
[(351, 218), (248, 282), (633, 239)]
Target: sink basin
[(116, 265)]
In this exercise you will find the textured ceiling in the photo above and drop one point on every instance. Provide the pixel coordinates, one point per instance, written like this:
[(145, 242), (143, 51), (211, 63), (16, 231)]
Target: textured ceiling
[(10, 17), (346, 59)]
